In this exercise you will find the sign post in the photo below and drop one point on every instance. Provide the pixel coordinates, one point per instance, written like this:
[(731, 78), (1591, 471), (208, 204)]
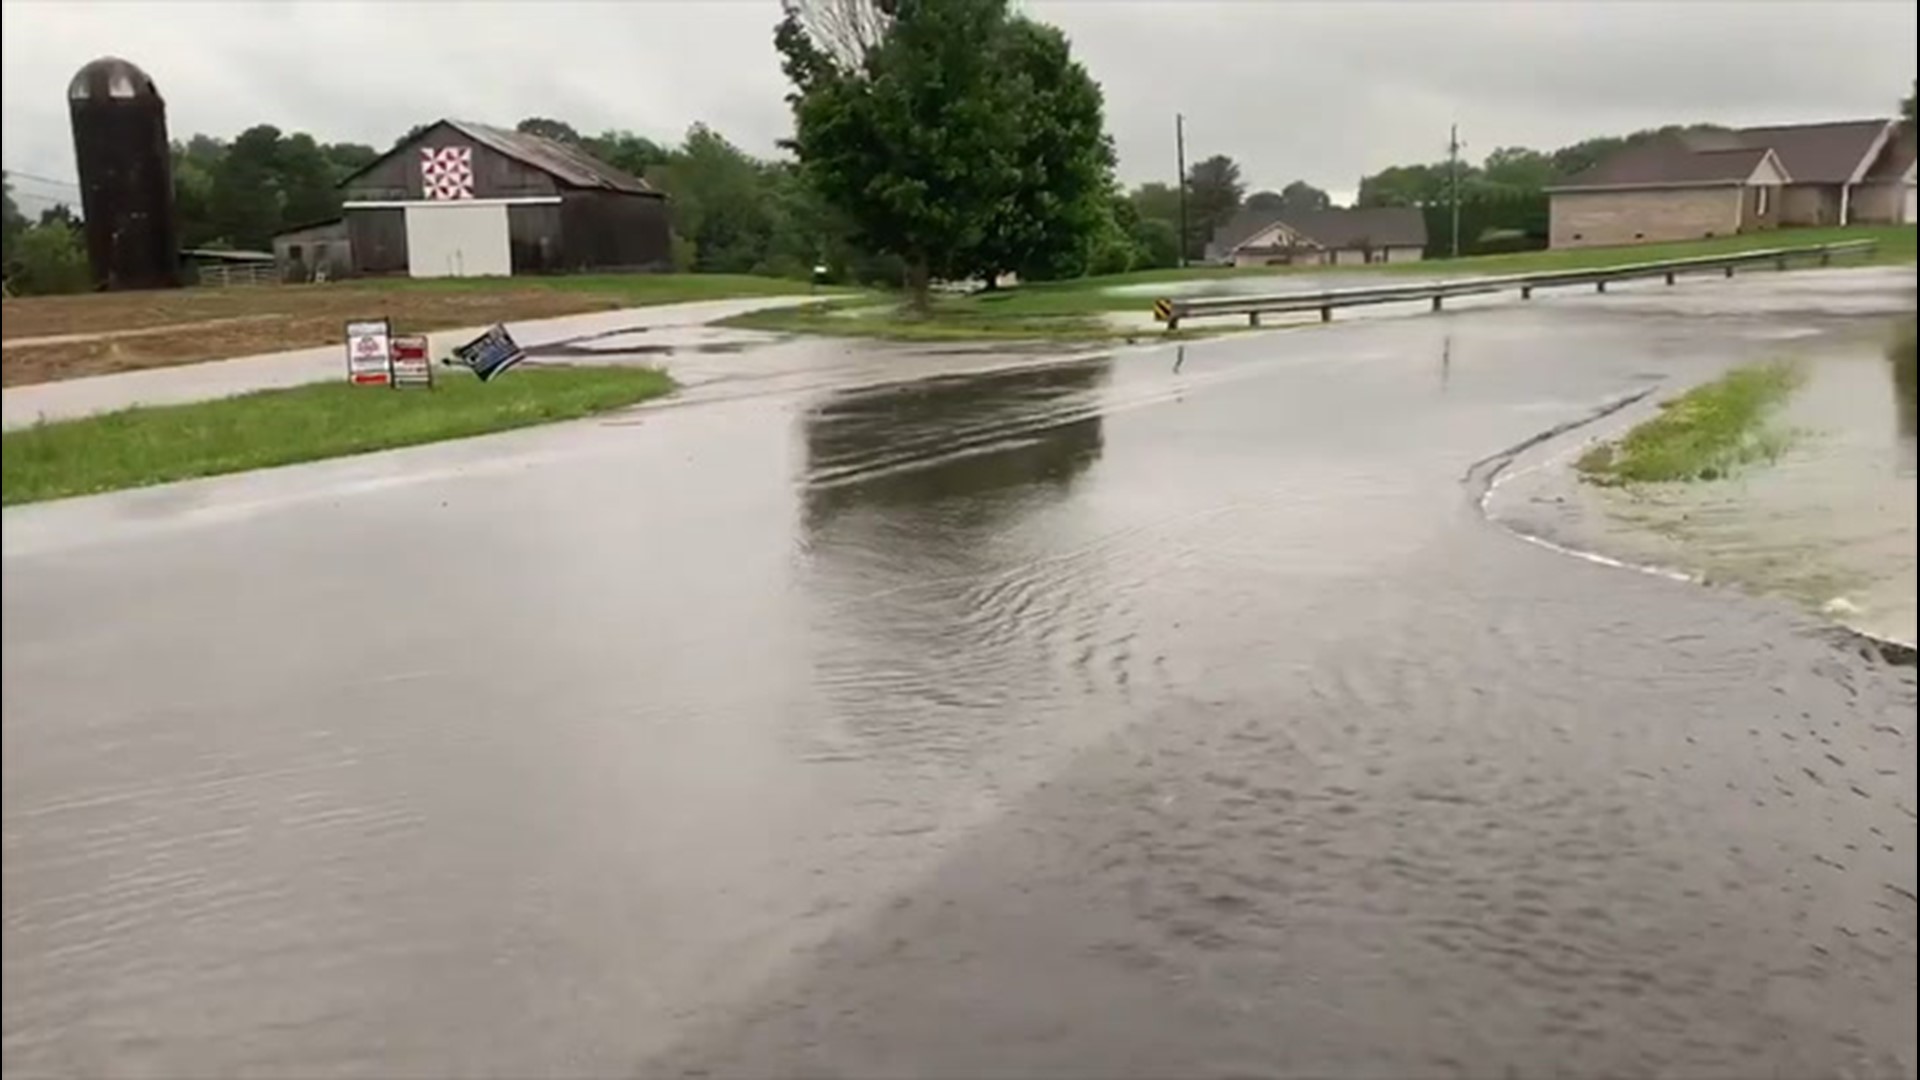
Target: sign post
[(370, 352)]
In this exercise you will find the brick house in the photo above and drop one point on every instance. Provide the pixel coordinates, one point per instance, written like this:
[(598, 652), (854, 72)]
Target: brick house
[(1718, 183), (1320, 238)]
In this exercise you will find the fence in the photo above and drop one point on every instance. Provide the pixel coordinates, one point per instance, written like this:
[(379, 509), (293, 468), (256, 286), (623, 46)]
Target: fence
[(221, 275), (1173, 311)]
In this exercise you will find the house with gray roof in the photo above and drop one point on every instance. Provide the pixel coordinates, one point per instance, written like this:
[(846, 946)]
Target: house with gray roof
[(460, 199), (1320, 238), (1719, 183)]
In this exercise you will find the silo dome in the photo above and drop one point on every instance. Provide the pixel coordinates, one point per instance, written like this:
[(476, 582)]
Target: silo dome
[(111, 77)]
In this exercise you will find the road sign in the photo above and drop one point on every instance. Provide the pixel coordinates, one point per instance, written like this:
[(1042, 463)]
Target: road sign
[(370, 352), (1162, 310), (411, 367), (491, 353)]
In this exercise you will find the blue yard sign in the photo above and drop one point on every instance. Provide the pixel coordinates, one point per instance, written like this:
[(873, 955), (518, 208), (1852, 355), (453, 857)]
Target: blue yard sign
[(491, 353)]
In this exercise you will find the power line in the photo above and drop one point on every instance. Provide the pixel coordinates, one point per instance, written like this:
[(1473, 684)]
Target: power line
[(15, 174)]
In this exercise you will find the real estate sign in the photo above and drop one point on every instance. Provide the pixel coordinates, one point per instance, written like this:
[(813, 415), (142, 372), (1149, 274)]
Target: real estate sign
[(411, 367), (370, 352)]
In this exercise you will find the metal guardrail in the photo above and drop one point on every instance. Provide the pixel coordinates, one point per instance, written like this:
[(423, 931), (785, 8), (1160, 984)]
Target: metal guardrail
[(1173, 311)]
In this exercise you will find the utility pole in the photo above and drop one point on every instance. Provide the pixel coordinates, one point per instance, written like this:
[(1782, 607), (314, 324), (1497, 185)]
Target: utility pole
[(1453, 186), (1180, 163)]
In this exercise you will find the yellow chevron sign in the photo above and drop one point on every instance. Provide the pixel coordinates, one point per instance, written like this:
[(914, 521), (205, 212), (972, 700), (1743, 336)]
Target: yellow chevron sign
[(1163, 310)]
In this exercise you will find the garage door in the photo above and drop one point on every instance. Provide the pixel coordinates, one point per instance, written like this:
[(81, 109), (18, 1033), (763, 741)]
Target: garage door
[(448, 239)]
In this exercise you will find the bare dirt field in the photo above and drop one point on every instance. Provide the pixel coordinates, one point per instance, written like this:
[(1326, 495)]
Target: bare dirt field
[(65, 337), (48, 338)]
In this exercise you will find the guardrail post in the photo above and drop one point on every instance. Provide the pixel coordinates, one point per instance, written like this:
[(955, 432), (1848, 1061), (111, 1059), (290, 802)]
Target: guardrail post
[(1253, 318), (1780, 263), (1669, 277), (1599, 286), (1326, 313), (1729, 269), (1436, 303), (1826, 257), (1526, 292)]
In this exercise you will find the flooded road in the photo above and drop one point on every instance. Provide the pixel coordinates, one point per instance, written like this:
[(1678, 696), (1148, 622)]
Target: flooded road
[(1166, 713)]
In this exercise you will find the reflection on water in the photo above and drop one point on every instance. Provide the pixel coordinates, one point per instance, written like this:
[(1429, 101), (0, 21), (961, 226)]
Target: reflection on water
[(957, 447), (933, 516)]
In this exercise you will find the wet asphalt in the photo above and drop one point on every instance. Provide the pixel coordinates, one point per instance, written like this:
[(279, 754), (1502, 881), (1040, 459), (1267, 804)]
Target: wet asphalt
[(1173, 712)]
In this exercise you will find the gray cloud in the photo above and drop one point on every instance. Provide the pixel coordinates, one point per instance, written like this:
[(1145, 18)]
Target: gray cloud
[(1321, 91)]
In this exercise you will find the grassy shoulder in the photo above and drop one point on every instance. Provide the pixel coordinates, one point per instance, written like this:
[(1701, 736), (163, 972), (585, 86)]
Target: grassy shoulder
[(1075, 310), (158, 444), (948, 319), (1703, 434)]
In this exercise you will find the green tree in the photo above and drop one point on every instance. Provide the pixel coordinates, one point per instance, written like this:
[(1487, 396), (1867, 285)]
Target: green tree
[(1268, 202), (910, 143), (1404, 185), (244, 196), (1214, 191), (348, 158), (1301, 197), (304, 175), (630, 153), (60, 214), (1517, 168), (1156, 202), (48, 258), (557, 130), (1056, 213), (716, 196), (12, 221)]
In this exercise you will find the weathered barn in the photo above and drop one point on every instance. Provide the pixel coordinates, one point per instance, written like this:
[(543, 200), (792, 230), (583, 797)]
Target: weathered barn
[(466, 200), (126, 176)]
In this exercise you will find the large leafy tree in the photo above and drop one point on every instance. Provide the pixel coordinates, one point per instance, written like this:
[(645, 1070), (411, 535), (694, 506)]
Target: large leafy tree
[(1214, 190), (1057, 207), (924, 135)]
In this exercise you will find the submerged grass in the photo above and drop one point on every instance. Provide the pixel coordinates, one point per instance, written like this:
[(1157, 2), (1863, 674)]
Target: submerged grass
[(1703, 434), (157, 444)]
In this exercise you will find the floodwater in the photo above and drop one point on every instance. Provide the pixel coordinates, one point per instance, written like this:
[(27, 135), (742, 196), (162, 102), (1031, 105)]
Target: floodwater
[(1830, 524), (1173, 712)]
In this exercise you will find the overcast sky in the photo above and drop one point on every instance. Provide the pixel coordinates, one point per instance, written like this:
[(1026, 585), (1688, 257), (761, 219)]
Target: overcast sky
[(1321, 91)]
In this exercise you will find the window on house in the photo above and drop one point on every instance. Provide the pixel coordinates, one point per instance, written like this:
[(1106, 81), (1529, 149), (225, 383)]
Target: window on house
[(293, 252)]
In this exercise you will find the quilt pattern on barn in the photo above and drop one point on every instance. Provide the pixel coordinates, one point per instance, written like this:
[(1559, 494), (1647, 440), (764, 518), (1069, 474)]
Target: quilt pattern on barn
[(446, 172)]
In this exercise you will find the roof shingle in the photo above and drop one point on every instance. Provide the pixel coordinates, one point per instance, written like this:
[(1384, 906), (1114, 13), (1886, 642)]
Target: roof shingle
[(1334, 229), (1808, 154)]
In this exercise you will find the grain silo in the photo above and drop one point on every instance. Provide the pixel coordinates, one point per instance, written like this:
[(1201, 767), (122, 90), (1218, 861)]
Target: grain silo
[(126, 176)]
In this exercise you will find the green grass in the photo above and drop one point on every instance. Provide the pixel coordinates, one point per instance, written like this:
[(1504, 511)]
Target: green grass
[(157, 444), (1703, 434), (949, 319), (635, 290), (1071, 310)]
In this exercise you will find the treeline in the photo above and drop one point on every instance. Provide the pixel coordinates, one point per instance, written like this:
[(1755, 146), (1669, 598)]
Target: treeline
[(1503, 198), (41, 256)]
